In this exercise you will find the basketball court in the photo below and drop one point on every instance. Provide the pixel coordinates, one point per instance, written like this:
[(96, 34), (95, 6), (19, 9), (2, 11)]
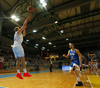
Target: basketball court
[(51, 26), (46, 79)]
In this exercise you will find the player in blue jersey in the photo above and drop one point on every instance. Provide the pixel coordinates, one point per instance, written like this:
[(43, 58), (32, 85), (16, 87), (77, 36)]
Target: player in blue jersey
[(76, 62)]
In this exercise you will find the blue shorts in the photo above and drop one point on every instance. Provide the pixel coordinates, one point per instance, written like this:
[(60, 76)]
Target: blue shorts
[(18, 51), (75, 62)]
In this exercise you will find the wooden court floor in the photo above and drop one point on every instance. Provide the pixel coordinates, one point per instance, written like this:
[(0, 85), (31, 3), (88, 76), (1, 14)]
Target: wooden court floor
[(44, 79)]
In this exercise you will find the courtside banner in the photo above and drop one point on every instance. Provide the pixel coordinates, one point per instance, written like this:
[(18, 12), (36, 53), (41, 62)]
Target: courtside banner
[(65, 68)]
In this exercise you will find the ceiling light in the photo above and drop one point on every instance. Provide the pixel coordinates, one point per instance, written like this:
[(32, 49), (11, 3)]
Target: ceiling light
[(34, 31), (67, 39), (44, 4), (43, 38), (17, 19), (62, 31), (13, 16), (27, 40), (56, 22), (50, 43), (43, 48), (41, 1), (54, 46), (37, 44)]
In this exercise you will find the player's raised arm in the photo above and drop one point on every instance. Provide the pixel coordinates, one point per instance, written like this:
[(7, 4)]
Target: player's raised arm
[(66, 56), (25, 22), (23, 27)]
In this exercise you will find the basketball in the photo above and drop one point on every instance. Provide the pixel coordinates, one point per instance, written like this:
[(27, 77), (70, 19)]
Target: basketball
[(30, 9)]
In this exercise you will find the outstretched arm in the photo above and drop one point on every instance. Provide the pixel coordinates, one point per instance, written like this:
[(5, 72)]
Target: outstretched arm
[(66, 56), (25, 22), (23, 27)]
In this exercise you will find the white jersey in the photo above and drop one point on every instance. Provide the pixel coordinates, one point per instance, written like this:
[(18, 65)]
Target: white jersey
[(95, 64), (18, 39)]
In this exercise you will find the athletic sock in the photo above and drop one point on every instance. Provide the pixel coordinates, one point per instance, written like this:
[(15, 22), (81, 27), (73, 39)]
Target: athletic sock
[(18, 71), (24, 70), (78, 79)]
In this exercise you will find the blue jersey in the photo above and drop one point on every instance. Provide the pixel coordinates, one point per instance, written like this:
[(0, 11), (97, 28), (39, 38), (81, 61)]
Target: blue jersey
[(74, 57)]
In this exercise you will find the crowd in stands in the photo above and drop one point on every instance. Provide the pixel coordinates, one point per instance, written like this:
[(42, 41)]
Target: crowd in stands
[(34, 61), (31, 61)]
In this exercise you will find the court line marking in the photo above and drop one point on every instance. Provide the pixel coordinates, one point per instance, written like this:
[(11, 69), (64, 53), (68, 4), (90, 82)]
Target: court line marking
[(12, 75), (89, 82), (74, 84), (36, 79)]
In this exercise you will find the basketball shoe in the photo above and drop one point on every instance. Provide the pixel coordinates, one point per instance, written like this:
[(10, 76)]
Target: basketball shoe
[(27, 74)]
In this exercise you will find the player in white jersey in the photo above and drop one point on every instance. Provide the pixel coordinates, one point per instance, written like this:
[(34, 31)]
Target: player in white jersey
[(18, 49), (95, 65), (83, 62)]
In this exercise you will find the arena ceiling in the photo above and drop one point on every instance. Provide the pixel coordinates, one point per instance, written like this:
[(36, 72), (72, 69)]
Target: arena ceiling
[(79, 20)]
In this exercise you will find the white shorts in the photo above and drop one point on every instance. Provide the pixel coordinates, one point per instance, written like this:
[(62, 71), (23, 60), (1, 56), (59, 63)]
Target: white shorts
[(18, 51), (83, 64), (95, 65), (71, 68)]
